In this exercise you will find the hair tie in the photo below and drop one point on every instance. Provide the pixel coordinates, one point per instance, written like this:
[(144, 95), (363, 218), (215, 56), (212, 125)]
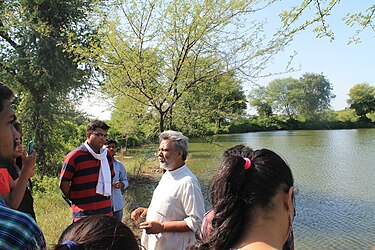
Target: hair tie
[(247, 163), (70, 244)]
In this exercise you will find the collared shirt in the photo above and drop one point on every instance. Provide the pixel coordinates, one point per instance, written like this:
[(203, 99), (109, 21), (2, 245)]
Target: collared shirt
[(120, 176), (177, 197), (19, 230), (82, 170)]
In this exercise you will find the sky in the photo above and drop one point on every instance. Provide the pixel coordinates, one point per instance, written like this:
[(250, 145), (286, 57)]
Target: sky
[(94, 106), (342, 64)]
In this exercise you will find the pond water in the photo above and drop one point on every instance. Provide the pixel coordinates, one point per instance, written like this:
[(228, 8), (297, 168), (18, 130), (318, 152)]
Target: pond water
[(334, 172)]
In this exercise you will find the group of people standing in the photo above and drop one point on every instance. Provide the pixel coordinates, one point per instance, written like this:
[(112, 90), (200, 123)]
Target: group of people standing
[(252, 196), (177, 206)]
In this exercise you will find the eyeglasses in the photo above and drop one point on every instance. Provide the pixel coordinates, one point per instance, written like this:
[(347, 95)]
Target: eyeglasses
[(101, 136)]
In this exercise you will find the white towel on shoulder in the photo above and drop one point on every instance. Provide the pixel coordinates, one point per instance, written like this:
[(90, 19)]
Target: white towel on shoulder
[(104, 186)]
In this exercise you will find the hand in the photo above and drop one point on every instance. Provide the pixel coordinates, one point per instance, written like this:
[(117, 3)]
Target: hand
[(24, 153), (28, 165), (117, 185), (138, 214), (152, 227)]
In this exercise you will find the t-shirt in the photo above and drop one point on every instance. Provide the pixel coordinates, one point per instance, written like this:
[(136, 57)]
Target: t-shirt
[(4, 181), (82, 170)]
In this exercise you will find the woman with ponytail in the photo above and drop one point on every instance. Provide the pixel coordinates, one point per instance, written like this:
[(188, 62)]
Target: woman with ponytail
[(252, 198)]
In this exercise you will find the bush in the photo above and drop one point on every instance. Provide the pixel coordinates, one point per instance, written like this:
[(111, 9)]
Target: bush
[(45, 184)]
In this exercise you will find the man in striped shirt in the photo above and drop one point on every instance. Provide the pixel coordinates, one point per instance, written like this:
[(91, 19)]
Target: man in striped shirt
[(87, 173), (17, 230)]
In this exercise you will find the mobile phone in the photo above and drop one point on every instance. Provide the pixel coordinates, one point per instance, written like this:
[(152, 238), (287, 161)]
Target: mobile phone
[(30, 147)]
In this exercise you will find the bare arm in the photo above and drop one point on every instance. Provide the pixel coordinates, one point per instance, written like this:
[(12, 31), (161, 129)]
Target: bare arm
[(17, 191), (154, 227), (17, 188)]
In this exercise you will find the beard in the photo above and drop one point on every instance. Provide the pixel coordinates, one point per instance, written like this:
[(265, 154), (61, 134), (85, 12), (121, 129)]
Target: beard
[(166, 165)]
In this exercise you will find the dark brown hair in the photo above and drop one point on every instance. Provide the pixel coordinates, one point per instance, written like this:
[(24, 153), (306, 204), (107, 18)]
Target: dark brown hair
[(97, 124), (98, 232), (110, 141)]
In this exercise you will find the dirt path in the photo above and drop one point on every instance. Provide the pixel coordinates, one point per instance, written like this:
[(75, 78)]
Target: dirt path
[(149, 176)]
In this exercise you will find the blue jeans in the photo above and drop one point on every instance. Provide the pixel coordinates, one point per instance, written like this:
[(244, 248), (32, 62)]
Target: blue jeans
[(118, 214)]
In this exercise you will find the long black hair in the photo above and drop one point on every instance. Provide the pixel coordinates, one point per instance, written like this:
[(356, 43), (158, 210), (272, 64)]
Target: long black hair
[(236, 192)]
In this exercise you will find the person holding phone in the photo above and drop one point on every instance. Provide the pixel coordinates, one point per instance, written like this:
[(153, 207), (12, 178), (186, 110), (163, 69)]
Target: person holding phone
[(17, 184), (27, 202), (17, 230)]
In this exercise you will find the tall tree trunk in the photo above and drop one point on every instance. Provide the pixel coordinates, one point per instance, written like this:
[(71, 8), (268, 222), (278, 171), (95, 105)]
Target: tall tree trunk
[(171, 118), (161, 121)]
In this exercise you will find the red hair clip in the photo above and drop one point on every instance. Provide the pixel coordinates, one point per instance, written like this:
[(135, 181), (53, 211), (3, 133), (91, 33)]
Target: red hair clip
[(247, 163)]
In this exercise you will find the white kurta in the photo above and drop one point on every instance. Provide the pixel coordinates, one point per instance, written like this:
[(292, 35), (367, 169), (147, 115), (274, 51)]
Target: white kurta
[(177, 197)]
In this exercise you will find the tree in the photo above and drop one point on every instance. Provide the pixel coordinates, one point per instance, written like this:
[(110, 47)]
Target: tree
[(316, 94), (210, 105), (309, 96), (321, 10), (362, 100), (260, 101), (158, 50), (285, 95), (35, 61), (132, 120)]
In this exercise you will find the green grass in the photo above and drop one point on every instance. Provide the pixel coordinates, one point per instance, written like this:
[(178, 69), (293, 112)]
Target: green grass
[(53, 216)]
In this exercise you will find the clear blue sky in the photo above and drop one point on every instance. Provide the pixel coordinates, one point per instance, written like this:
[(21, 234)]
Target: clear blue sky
[(343, 65)]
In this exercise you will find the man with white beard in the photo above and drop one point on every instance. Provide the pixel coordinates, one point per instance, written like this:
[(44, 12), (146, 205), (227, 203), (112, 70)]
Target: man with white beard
[(177, 207)]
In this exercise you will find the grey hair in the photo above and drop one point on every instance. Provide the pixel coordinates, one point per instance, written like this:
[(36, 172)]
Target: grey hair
[(179, 140)]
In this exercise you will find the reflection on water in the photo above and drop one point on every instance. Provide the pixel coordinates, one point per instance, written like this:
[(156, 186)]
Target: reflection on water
[(334, 171)]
